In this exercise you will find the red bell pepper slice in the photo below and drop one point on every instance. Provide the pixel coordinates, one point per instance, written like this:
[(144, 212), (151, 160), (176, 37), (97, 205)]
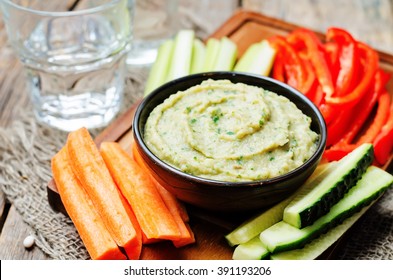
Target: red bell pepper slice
[(383, 143), (370, 63), (365, 106), (362, 110), (332, 54), (310, 84), (348, 59), (345, 127), (337, 153), (328, 112), (278, 67), (313, 48), (338, 126), (293, 68), (379, 119)]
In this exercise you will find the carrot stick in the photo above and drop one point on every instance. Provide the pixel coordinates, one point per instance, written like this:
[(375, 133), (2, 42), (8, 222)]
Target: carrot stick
[(154, 218), (188, 238), (174, 205), (134, 254), (135, 222), (176, 208), (90, 169), (79, 207)]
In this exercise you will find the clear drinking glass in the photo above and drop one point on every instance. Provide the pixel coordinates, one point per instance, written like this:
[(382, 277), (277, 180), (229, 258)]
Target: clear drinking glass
[(153, 22), (74, 59)]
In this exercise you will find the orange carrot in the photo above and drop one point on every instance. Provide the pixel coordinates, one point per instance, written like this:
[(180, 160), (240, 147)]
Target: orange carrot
[(173, 204), (175, 207), (90, 169), (134, 254), (188, 237), (79, 207), (154, 218)]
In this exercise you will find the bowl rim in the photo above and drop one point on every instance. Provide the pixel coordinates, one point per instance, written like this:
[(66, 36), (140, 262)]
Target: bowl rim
[(200, 181)]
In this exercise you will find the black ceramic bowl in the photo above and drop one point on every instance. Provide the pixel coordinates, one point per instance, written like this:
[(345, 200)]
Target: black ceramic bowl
[(219, 195)]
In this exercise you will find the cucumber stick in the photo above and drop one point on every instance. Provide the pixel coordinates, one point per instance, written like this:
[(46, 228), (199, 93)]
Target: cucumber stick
[(254, 226), (283, 236), (251, 250), (319, 245), (310, 205)]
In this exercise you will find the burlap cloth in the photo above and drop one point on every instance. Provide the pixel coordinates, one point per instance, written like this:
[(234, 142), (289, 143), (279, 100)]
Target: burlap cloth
[(26, 148)]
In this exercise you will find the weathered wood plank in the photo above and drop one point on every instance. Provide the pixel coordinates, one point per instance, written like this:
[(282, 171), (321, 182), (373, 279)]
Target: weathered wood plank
[(370, 21), (11, 240)]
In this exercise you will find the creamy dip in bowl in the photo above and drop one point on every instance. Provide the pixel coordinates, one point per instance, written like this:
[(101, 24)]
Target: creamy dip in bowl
[(230, 132), (229, 141)]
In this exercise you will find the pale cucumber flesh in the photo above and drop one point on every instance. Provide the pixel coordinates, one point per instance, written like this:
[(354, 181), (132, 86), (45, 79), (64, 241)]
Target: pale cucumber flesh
[(310, 205), (316, 247), (283, 236), (254, 226), (251, 250)]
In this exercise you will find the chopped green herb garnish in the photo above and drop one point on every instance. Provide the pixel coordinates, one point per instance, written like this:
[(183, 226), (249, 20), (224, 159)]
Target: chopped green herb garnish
[(230, 133), (193, 120)]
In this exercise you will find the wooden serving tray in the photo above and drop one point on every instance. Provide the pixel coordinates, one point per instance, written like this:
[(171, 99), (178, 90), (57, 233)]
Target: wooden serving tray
[(244, 28)]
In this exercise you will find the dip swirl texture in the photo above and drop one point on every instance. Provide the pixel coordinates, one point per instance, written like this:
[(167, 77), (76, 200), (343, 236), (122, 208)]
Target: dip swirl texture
[(230, 132)]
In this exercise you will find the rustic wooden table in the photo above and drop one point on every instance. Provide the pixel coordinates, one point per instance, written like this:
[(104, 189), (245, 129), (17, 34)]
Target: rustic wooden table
[(370, 21)]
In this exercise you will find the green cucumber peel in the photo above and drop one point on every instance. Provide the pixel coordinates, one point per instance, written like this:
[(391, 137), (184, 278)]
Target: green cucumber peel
[(283, 236), (255, 225), (312, 204)]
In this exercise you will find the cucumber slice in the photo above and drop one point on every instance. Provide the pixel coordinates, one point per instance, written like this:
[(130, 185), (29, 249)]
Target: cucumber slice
[(254, 226), (251, 250), (312, 204), (316, 247), (283, 236)]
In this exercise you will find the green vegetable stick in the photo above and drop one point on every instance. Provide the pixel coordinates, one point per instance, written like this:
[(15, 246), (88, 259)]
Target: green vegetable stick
[(255, 225), (243, 65), (226, 55), (257, 59), (198, 56), (319, 245), (212, 49), (253, 249), (180, 64), (159, 70)]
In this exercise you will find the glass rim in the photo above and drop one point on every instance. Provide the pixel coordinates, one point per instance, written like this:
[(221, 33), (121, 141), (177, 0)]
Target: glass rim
[(92, 10)]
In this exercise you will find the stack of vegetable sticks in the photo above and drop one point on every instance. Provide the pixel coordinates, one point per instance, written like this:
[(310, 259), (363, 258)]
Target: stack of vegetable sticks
[(115, 205), (186, 54)]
